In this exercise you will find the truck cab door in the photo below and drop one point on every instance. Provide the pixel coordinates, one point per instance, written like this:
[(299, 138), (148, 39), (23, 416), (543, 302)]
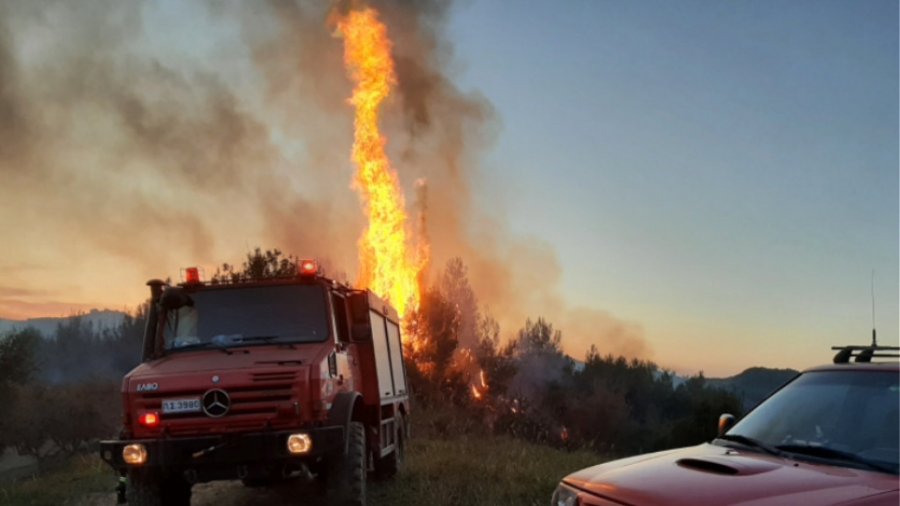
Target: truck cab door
[(345, 361)]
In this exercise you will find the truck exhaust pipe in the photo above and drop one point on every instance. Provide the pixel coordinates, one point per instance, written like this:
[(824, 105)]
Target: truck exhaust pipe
[(152, 319)]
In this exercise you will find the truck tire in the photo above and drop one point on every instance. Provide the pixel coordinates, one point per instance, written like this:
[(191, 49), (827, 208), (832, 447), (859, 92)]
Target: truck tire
[(150, 488), (387, 467), (346, 479)]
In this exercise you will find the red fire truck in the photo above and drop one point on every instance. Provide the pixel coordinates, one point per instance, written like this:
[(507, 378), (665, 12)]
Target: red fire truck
[(262, 380)]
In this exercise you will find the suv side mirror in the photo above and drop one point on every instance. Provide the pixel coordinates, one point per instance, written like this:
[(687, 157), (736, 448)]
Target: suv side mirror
[(726, 421)]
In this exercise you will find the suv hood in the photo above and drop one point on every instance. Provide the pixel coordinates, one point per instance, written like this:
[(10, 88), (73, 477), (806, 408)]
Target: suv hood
[(714, 475)]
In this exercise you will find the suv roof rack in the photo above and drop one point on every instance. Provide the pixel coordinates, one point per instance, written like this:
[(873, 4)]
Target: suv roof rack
[(863, 353)]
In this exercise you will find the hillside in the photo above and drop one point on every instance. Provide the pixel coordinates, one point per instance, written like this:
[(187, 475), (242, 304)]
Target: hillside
[(754, 384), (99, 318)]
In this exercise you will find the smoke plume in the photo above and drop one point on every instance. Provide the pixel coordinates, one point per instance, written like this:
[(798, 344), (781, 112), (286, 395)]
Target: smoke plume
[(144, 137)]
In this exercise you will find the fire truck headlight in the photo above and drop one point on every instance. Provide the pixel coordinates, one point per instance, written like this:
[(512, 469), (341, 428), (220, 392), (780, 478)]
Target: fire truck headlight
[(134, 454), (299, 444)]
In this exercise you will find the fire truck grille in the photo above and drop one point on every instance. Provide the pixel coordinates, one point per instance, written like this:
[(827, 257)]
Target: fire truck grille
[(258, 399)]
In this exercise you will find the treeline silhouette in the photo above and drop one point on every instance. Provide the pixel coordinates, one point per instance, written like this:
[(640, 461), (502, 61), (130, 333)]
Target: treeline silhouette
[(65, 388), (61, 392), (529, 388)]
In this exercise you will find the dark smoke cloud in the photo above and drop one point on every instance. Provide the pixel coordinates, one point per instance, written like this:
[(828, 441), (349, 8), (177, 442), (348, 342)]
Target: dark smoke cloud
[(164, 160), (440, 133), (99, 135)]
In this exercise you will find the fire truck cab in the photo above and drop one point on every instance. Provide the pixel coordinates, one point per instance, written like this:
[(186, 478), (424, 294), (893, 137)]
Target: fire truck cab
[(262, 380)]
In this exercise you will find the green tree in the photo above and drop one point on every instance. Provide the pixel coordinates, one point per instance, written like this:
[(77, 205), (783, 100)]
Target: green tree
[(704, 405), (17, 367), (17, 356), (259, 264), (539, 338), (59, 420)]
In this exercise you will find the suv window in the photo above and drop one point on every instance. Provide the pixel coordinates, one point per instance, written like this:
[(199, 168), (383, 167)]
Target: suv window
[(249, 315), (853, 413)]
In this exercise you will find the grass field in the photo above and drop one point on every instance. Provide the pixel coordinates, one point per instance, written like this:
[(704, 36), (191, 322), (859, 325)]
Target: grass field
[(458, 471), (479, 471), (82, 476)]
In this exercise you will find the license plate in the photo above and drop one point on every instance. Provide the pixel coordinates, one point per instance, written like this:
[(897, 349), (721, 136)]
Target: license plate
[(180, 405)]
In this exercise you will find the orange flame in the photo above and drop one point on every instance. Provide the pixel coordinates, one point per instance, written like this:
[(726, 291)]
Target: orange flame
[(478, 393), (388, 264)]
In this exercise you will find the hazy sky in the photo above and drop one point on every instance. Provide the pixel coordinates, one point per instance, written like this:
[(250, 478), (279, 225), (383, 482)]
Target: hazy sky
[(725, 173), (721, 176)]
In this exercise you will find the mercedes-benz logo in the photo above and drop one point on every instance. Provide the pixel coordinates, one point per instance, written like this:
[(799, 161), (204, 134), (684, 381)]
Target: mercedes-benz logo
[(216, 403)]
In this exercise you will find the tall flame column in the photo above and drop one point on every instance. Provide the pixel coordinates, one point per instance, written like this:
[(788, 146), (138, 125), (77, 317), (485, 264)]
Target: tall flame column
[(387, 261)]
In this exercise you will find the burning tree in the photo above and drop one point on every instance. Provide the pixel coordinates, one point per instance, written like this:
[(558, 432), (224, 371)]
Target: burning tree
[(432, 332)]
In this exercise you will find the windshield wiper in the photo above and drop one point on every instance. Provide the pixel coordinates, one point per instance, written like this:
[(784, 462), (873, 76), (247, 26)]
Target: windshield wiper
[(830, 453), (257, 338), (200, 345), (752, 443)]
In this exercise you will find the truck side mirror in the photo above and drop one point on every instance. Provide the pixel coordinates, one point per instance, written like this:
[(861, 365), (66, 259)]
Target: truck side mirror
[(174, 298), (360, 329), (359, 308), (726, 421)]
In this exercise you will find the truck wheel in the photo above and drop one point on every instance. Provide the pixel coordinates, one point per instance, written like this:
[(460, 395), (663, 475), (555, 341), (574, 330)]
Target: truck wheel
[(388, 466), (347, 474), (149, 488)]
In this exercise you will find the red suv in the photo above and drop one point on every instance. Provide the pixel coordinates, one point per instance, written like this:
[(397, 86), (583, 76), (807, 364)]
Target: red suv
[(827, 437)]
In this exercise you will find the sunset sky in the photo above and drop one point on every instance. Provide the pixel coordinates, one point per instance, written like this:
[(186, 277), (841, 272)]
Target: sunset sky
[(708, 185)]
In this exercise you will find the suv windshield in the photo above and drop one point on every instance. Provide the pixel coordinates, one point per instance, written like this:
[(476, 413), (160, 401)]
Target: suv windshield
[(845, 417), (251, 315)]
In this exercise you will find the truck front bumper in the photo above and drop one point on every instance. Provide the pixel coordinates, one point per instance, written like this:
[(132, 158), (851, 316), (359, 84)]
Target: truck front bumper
[(250, 449)]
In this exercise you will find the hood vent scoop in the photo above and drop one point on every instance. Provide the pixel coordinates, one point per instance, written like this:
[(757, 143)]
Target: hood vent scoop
[(707, 466)]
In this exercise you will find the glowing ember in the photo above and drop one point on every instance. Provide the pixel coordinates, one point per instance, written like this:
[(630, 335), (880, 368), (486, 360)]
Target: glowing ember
[(387, 261), (476, 394)]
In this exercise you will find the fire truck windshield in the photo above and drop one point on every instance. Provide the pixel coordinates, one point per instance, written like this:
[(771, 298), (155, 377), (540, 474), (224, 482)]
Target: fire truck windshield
[(244, 316)]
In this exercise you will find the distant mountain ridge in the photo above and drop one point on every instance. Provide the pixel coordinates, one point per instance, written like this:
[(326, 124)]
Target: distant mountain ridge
[(754, 384), (99, 318)]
